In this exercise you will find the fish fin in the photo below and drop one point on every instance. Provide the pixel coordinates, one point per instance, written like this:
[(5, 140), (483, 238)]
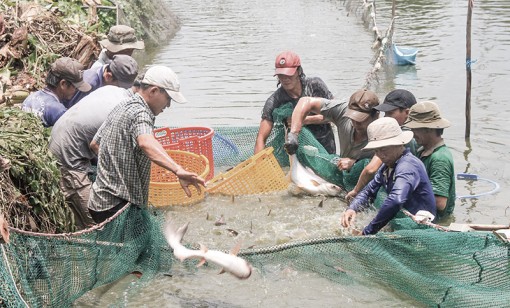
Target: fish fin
[(315, 183), (235, 250), (222, 271), (202, 262), (182, 230)]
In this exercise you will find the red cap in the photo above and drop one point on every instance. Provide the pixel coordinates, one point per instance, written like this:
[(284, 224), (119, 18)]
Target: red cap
[(286, 63)]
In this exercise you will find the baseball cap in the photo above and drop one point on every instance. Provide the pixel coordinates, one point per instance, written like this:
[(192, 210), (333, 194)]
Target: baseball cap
[(71, 70), (165, 78), (397, 99), (125, 69), (286, 63), (121, 37), (361, 104)]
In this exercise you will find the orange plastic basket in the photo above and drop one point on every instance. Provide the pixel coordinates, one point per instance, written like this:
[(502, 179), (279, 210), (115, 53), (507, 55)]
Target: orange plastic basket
[(164, 187), (197, 140), (260, 173)]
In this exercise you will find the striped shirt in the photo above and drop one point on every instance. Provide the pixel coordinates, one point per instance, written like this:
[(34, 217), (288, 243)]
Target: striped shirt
[(123, 170)]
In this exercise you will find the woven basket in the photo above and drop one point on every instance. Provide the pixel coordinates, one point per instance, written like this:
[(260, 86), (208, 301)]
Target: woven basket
[(197, 140), (164, 187), (258, 174)]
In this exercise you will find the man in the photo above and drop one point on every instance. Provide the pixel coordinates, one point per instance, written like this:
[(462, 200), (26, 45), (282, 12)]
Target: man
[(70, 140), (351, 120), (64, 78), (396, 105), (121, 40), (402, 174), (121, 72), (126, 147), (294, 85), (427, 125)]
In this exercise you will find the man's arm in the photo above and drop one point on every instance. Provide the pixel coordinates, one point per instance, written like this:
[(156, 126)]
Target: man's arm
[(154, 150), (401, 191), (304, 106), (361, 201), (264, 130), (366, 176)]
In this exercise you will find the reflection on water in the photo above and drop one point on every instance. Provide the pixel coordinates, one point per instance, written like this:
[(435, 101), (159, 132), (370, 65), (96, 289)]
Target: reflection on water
[(224, 56)]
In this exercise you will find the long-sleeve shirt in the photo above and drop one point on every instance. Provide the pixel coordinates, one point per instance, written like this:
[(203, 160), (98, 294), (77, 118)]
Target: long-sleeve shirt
[(45, 105), (408, 187)]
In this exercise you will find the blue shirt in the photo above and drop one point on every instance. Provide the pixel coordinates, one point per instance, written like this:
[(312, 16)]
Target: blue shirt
[(45, 105), (408, 187), (92, 76)]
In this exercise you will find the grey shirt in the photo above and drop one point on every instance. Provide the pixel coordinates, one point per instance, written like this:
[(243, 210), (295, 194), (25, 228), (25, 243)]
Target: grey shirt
[(72, 133), (123, 170), (334, 111)]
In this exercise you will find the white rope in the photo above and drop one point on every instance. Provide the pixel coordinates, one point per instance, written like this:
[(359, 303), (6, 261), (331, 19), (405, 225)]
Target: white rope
[(10, 273)]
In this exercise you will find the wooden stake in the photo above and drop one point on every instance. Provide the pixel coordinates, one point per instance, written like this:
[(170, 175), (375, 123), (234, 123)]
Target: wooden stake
[(468, 70)]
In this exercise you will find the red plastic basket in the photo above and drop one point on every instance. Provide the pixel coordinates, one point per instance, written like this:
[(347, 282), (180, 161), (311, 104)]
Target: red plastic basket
[(197, 140)]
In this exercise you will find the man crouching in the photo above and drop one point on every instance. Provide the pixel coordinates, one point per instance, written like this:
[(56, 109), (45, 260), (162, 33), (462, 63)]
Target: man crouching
[(402, 174)]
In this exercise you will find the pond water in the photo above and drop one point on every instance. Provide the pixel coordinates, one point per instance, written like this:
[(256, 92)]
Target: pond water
[(224, 56)]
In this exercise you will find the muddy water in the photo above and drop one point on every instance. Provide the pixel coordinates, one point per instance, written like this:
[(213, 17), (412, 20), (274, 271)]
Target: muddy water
[(224, 56)]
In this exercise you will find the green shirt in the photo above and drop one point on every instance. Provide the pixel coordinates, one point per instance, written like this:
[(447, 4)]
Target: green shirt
[(439, 166)]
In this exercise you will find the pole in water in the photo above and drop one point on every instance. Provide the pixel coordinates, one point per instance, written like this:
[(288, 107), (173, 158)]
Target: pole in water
[(468, 70)]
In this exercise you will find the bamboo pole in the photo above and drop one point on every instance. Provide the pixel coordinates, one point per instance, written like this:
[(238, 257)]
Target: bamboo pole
[(468, 70)]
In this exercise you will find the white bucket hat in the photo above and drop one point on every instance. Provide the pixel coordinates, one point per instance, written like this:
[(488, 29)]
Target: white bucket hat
[(385, 132), (163, 77)]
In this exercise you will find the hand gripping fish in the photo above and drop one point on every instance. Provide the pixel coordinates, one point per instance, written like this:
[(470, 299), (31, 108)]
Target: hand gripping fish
[(230, 263), (309, 182)]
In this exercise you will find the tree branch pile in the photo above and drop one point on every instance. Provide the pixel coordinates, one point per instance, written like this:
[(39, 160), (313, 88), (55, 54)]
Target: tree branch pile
[(33, 37), (30, 195)]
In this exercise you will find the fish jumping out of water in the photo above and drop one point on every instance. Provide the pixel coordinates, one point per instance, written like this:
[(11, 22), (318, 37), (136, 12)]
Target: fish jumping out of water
[(230, 263), (309, 182)]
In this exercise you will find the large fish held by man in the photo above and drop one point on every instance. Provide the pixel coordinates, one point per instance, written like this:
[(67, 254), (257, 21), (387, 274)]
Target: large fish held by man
[(306, 181)]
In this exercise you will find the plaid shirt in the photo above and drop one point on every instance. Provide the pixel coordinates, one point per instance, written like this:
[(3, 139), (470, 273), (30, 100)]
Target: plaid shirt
[(123, 170)]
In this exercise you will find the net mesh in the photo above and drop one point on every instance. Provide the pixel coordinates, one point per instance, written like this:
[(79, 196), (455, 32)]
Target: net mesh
[(436, 268)]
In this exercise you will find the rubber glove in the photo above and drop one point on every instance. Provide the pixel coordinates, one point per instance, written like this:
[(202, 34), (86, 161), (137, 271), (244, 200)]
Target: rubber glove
[(292, 143)]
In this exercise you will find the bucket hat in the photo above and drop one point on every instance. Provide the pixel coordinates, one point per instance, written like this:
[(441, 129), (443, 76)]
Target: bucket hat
[(361, 104), (426, 115), (286, 63), (165, 78), (385, 132), (121, 37), (71, 70), (398, 98)]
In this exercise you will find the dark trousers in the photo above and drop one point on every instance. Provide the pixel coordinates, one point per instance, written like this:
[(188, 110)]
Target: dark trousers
[(99, 217)]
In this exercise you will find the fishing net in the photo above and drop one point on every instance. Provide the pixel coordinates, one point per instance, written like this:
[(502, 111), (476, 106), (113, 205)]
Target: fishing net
[(41, 270), (429, 266), (436, 268)]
